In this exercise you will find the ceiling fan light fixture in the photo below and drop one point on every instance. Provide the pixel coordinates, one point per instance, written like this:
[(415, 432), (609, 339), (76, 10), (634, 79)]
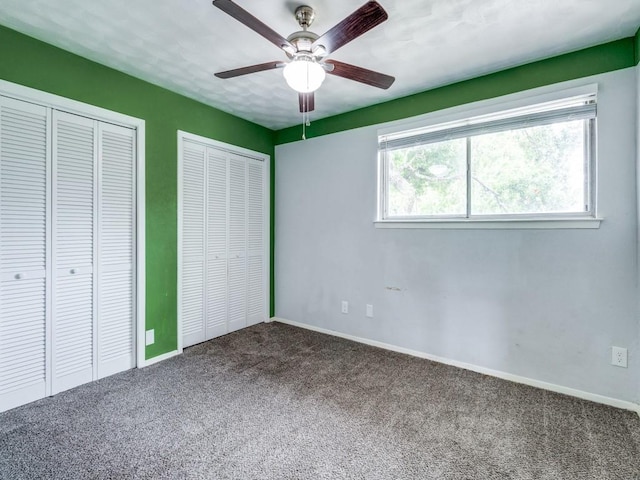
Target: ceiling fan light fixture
[(304, 74)]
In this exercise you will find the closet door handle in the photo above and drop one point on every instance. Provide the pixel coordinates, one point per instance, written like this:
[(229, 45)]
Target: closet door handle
[(17, 276), (72, 271)]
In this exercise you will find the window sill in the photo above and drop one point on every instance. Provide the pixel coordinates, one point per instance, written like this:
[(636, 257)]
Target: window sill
[(494, 224)]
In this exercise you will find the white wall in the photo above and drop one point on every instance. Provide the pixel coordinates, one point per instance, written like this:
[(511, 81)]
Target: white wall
[(544, 304)]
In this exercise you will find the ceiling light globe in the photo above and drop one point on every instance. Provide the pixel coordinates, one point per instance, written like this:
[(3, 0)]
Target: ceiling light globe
[(304, 75)]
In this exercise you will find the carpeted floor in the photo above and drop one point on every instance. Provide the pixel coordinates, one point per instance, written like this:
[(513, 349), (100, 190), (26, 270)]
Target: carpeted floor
[(277, 402)]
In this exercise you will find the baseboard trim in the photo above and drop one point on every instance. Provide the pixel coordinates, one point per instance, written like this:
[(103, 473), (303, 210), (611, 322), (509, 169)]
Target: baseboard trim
[(594, 397), (159, 358)]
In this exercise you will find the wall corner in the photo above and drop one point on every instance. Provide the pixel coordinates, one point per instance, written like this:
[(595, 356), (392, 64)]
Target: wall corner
[(636, 47)]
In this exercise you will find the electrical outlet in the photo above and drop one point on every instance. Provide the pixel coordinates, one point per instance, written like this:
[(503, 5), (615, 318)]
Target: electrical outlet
[(619, 357), (369, 310), (150, 337), (345, 306)]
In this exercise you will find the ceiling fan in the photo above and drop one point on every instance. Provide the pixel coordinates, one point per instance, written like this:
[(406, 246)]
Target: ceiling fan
[(305, 71)]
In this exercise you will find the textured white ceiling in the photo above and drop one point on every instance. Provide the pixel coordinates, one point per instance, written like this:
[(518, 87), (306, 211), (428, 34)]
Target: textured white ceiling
[(180, 44)]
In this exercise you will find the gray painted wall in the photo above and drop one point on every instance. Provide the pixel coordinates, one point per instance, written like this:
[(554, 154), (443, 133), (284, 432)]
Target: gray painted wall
[(544, 304), (637, 374)]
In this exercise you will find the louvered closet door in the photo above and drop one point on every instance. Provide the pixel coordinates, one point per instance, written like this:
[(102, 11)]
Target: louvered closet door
[(192, 306), (237, 279), (74, 211), (216, 284), (116, 253), (24, 172), (256, 301)]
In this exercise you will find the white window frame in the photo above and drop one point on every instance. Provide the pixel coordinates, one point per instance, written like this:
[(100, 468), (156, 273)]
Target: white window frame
[(503, 221)]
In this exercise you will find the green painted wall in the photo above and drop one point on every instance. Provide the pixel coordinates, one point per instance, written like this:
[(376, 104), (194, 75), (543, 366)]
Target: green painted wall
[(35, 64), (590, 61)]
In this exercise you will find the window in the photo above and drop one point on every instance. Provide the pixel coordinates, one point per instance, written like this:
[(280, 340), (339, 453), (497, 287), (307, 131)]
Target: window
[(526, 163)]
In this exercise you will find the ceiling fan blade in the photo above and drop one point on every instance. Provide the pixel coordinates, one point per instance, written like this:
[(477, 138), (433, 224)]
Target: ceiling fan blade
[(361, 21), (359, 74), (252, 69), (252, 22), (307, 102)]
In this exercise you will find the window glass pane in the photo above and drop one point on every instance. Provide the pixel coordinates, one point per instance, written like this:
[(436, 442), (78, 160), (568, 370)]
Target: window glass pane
[(531, 170), (428, 179)]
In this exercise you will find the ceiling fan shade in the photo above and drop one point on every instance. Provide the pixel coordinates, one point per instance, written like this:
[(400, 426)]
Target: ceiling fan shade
[(304, 75), (252, 69), (359, 74)]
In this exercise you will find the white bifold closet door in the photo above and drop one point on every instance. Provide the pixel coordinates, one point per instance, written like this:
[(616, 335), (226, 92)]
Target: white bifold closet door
[(223, 280), (116, 250), (237, 243), (256, 261), (74, 243), (93, 238), (67, 256), (216, 244), (24, 189), (193, 244)]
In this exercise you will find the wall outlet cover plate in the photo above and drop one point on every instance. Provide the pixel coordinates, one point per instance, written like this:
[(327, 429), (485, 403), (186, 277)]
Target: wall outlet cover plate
[(619, 357)]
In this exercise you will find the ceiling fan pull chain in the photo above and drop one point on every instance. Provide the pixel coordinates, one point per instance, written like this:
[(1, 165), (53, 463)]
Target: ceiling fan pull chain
[(304, 128), (305, 116)]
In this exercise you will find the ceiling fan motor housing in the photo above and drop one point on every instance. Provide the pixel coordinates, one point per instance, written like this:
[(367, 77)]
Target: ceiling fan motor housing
[(305, 16), (302, 41)]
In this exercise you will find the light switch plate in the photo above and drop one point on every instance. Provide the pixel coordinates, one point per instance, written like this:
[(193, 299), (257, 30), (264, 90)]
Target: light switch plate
[(150, 337)]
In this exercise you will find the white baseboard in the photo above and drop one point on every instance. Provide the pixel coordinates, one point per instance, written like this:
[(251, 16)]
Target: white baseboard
[(594, 397), (159, 358)]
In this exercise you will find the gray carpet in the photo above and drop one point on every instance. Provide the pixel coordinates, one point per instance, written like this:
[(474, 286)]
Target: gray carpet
[(277, 402)]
